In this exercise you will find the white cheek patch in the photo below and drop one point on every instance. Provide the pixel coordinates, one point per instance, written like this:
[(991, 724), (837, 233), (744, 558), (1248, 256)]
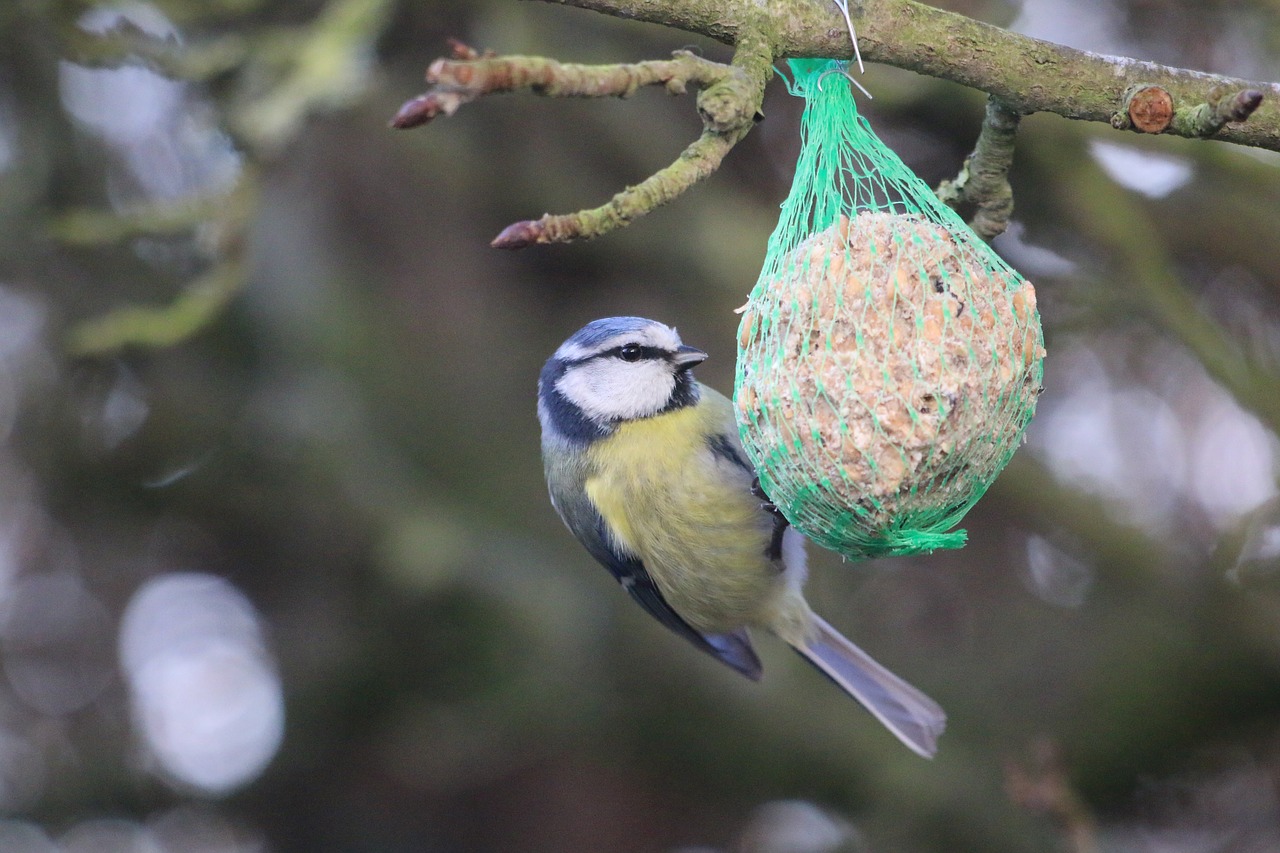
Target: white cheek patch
[(608, 389)]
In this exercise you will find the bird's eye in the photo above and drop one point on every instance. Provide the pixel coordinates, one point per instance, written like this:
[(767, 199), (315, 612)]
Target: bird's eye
[(630, 352)]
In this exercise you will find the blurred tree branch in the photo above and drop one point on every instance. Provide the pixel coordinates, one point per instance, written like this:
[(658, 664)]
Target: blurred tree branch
[(199, 303), (278, 76), (1112, 216), (220, 221), (1041, 785), (1021, 74), (1040, 500), (128, 44)]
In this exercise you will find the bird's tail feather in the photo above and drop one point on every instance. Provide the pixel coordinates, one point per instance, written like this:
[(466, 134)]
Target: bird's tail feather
[(734, 650), (912, 716)]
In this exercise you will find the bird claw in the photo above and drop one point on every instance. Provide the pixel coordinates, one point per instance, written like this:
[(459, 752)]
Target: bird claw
[(780, 523), (765, 504)]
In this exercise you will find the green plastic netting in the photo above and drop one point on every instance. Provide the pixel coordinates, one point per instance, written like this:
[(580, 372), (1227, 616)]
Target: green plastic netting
[(888, 361)]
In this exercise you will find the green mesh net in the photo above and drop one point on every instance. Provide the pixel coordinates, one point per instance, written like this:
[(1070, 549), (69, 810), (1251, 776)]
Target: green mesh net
[(889, 361)]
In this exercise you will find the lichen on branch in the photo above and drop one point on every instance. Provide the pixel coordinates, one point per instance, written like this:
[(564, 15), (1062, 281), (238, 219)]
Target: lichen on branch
[(470, 75), (729, 104), (984, 179), (1027, 74), (1022, 75)]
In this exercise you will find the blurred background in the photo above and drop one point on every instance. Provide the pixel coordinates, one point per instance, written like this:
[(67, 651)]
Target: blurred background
[(277, 568)]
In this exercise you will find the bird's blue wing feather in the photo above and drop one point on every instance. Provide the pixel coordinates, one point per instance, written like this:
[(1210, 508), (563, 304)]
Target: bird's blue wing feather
[(733, 649), (726, 446)]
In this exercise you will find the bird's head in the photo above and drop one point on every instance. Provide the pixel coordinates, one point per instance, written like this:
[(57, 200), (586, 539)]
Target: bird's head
[(615, 370)]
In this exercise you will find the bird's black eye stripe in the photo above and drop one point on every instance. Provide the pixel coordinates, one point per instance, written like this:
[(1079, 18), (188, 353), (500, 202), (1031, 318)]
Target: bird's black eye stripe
[(636, 352)]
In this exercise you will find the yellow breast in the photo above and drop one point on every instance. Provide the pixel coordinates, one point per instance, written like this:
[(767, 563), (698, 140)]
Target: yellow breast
[(689, 515)]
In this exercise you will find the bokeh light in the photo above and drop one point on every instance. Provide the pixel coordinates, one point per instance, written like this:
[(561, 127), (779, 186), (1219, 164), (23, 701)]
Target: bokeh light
[(18, 836), (57, 638), (206, 697), (163, 132), (1153, 175)]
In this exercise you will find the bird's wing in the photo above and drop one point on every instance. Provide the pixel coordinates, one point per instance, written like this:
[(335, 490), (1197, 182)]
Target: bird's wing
[(733, 649), (727, 447), (588, 525)]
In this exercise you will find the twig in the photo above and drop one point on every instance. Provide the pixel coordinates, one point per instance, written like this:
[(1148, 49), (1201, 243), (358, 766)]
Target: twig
[(321, 65), (695, 163), (161, 326), (128, 44), (459, 81), (96, 227), (729, 105), (1150, 109), (984, 179), (1208, 118), (223, 218)]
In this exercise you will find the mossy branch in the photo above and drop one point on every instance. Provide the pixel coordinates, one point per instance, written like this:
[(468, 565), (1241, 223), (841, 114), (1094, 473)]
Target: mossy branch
[(195, 307), (127, 44), (468, 75), (729, 105), (280, 75), (1028, 75), (984, 179), (1021, 74), (276, 78), (220, 220), (696, 162)]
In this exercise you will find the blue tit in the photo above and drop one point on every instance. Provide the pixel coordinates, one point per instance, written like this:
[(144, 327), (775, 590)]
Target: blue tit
[(645, 468)]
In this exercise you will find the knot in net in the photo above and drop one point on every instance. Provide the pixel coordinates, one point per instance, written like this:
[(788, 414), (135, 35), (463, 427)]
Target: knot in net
[(888, 361)]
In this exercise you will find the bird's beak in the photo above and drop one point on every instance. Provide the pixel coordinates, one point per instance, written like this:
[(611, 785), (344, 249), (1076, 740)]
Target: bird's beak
[(687, 356)]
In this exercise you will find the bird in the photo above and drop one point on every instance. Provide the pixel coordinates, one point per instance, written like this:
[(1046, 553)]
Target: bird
[(644, 466)]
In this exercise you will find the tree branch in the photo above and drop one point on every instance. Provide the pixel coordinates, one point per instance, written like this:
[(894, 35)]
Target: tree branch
[(1022, 75), (984, 179), (1026, 74), (729, 106), (223, 217), (695, 163), (1042, 786), (468, 76), (161, 326)]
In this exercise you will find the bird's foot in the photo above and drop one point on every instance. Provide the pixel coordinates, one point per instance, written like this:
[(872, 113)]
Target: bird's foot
[(765, 504), (780, 523)]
